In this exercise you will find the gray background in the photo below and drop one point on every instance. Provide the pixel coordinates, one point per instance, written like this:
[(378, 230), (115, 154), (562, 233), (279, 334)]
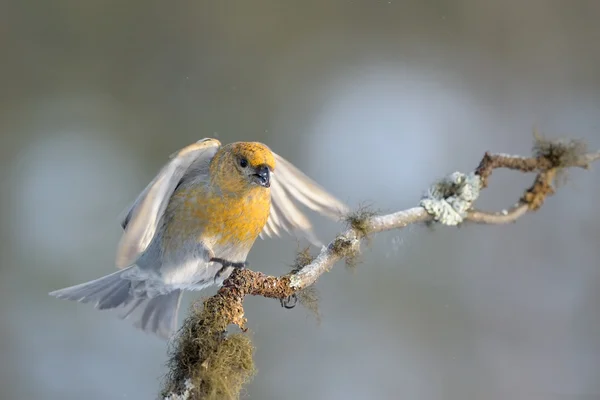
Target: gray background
[(375, 100)]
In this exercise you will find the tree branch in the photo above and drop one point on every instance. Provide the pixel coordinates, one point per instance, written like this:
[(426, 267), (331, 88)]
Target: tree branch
[(452, 197)]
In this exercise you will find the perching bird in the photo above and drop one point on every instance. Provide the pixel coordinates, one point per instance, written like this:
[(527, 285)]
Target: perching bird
[(195, 222)]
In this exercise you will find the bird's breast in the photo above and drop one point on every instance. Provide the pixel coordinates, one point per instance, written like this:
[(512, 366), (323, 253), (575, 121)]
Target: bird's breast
[(221, 220)]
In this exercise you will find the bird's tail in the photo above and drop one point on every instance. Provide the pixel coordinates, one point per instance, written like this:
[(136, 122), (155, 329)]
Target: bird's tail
[(156, 315)]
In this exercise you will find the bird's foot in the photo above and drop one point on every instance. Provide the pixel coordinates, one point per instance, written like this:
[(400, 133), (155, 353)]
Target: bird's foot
[(225, 264)]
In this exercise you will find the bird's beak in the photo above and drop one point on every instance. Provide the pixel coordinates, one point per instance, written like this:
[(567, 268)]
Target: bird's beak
[(262, 176)]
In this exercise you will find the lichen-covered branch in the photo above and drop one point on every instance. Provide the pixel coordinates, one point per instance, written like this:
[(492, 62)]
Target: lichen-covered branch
[(208, 363)]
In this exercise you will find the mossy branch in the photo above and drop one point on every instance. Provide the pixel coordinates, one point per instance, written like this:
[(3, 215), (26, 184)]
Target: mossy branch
[(207, 363)]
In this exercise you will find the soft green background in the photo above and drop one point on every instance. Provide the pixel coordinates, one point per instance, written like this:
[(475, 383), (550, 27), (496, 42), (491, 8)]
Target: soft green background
[(375, 100)]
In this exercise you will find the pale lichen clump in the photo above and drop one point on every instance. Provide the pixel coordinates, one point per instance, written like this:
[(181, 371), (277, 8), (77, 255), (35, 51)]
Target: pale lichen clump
[(449, 200)]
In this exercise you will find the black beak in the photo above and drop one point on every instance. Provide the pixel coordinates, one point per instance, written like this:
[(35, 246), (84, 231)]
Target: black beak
[(262, 176)]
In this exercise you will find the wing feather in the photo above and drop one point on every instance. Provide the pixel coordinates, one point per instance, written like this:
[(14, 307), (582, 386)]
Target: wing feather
[(289, 186), (142, 219)]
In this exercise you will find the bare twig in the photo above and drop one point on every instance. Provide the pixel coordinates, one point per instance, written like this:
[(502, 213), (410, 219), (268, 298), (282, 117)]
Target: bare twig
[(548, 160), (502, 217)]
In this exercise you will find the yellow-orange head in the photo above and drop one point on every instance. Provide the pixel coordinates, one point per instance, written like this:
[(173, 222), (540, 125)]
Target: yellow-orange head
[(242, 166)]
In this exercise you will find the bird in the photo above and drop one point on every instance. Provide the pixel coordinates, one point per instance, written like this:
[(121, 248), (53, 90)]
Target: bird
[(195, 222)]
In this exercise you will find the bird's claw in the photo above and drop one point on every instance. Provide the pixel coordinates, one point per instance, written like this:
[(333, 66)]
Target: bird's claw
[(289, 302), (226, 264)]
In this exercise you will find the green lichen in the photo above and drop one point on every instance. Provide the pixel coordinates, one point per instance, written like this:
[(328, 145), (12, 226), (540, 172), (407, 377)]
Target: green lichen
[(303, 258), (560, 153), (203, 354), (348, 248), (307, 297), (359, 220)]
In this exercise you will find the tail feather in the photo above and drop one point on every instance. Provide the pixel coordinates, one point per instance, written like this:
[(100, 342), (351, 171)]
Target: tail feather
[(119, 294), (93, 291), (156, 315)]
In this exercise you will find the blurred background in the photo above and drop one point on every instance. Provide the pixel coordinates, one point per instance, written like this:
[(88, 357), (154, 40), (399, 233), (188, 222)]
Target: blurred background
[(375, 100)]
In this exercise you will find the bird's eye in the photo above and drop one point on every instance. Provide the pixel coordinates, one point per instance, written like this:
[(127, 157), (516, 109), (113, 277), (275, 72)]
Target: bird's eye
[(243, 162)]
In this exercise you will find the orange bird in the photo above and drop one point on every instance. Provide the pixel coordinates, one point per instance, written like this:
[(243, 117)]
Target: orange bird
[(195, 222)]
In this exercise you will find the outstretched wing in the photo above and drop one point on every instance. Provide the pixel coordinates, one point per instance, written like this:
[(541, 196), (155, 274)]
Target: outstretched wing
[(289, 186), (142, 219)]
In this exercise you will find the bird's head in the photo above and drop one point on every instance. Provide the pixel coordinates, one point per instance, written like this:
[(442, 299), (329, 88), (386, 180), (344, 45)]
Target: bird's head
[(243, 165)]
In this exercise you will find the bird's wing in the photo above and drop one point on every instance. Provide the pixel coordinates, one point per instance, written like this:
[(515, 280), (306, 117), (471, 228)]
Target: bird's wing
[(142, 219), (289, 186)]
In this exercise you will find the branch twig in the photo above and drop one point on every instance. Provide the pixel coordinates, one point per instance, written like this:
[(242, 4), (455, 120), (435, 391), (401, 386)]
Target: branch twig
[(226, 307)]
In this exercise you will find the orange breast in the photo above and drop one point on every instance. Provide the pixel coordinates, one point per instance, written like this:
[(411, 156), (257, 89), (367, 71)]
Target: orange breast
[(237, 220), (219, 219)]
